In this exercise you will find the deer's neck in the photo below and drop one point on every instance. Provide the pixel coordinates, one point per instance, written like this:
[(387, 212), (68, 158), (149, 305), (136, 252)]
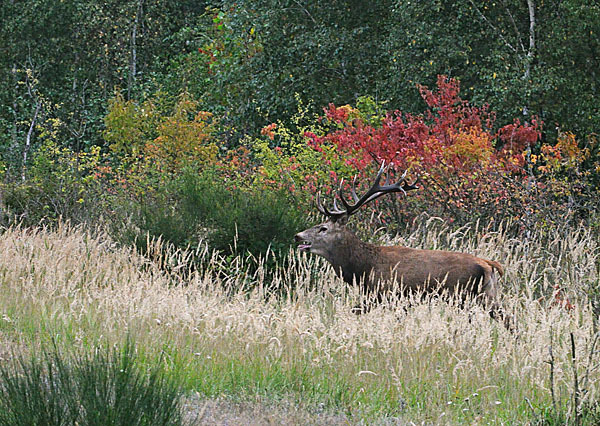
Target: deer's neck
[(353, 259)]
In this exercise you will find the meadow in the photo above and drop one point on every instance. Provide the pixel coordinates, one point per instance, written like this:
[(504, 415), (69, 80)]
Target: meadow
[(286, 337)]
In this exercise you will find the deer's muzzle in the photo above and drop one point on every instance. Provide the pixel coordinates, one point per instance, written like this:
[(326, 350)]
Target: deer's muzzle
[(303, 244)]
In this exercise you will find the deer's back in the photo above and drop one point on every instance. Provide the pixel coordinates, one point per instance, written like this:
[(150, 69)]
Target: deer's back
[(428, 269)]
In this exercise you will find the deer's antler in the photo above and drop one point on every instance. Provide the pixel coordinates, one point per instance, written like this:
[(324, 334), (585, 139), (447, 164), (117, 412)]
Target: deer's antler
[(374, 192)]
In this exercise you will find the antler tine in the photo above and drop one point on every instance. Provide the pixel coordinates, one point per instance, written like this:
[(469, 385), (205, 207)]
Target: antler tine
[(379, 174), (377, 190), (387, 175), (348, 206), (354, 196), (320, 207), (335, 214), (401, 184), (344, 202), (318, 203), (335, 206), (411, 186)]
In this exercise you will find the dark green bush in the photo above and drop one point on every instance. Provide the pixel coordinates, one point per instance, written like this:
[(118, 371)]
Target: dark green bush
[(233, 220), (103, 388)]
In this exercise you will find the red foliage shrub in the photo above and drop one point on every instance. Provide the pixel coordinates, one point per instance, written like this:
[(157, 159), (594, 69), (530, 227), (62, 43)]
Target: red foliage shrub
[(466, 166)]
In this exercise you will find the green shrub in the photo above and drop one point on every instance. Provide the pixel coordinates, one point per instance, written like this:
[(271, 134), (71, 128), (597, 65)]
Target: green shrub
[(233, 220), (103, 388), (59, 184)]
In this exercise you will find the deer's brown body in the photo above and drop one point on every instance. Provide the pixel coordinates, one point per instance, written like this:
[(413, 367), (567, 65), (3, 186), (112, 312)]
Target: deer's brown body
[(378, 269)]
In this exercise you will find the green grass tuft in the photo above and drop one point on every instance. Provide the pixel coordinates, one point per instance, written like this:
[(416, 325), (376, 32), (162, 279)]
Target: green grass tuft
[(105, 387)]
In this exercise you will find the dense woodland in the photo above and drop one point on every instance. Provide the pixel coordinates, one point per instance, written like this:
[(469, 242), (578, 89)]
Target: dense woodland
[(149, 113)]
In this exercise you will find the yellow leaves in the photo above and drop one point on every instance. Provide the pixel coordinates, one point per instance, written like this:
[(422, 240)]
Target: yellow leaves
[(544, 169), (567, 144), (128, 125), (50, 128), (168, 141), (351, 111), (564, 155), (182, 140), (473, 146)]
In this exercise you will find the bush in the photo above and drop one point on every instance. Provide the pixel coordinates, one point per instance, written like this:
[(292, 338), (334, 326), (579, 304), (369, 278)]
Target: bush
[(104, 388), (469, 168), (171, 136), (59, 184), (234, 220)]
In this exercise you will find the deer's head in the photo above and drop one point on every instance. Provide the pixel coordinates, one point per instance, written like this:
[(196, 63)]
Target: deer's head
[(322, 238), (325, 238)]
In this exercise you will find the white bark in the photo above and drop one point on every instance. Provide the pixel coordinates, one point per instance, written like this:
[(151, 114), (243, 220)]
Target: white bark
[(133, 61), (28, 138), (531, 49)]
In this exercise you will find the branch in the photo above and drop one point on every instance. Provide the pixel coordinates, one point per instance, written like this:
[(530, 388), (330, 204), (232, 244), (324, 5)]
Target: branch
[(551, 362), (589, 364), (133, 62), (514, 24), (493, 27), (531, 7), (575, 382), (305, 11)]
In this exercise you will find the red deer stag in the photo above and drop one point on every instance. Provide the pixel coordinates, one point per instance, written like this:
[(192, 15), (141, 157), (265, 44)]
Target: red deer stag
[(377, 269)]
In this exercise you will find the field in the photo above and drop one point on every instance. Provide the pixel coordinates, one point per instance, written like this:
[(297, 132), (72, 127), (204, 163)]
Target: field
[(284, 346)]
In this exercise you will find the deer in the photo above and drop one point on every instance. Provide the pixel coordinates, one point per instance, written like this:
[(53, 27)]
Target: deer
[(377, 270)]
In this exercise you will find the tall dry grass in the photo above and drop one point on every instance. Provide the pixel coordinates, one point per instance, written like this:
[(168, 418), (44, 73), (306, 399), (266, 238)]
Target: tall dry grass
[(428, 361)]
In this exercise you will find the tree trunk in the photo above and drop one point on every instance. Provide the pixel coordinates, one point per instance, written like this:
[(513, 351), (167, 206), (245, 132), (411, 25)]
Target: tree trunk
[(28, 138), (133, 59), (531, 49)]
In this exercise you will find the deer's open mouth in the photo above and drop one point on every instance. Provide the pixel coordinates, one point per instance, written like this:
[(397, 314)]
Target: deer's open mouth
[(304, 245)]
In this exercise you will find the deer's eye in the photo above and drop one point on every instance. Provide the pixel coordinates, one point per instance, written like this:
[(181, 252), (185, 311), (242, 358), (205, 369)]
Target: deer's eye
[(322, 229)]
